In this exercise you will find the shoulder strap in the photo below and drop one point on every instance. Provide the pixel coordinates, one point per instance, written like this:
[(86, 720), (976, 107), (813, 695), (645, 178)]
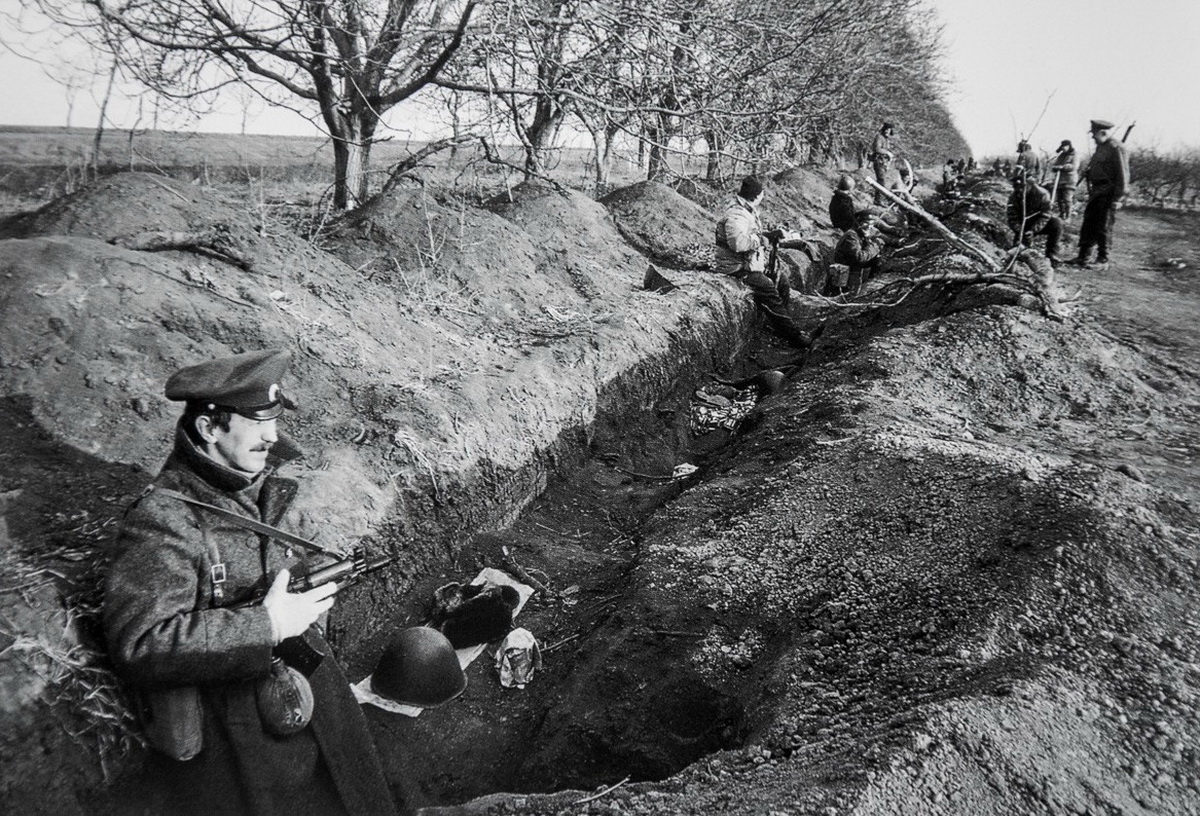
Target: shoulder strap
[(254, 525)]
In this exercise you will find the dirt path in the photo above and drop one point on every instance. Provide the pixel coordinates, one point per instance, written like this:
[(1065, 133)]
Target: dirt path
[(1148, 299)]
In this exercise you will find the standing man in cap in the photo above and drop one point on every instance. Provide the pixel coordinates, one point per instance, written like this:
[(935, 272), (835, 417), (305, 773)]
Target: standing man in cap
[(1066, 177), (244, 704), (881, 157), (1107, 176), (743, 250)]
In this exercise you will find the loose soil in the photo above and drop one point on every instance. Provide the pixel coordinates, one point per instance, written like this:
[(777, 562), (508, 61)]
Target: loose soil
[(949, 568)]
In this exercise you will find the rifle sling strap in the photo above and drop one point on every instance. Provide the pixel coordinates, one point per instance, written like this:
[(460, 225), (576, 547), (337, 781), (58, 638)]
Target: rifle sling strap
[(254, 525)]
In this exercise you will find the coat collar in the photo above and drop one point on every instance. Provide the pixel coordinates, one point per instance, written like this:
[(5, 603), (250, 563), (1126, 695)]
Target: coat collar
[(187, 456)]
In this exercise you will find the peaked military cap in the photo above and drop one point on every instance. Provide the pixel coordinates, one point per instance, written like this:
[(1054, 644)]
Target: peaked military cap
[(246, 384), (1101, 124)]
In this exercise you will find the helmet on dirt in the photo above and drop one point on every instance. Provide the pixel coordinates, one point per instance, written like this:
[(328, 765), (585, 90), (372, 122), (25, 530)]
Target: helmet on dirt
[(419, 668)]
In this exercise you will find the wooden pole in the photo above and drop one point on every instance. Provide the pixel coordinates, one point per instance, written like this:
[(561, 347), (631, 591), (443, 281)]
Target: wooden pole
[(938, 226)]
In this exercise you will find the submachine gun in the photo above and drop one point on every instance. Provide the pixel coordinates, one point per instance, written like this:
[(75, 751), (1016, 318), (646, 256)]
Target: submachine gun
[(347, 572), (301, 652)]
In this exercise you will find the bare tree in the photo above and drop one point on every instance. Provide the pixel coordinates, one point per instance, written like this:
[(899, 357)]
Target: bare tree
[(342, 62)]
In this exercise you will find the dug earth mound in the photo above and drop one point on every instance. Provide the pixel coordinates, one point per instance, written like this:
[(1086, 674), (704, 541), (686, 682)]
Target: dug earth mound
[(948, 568)]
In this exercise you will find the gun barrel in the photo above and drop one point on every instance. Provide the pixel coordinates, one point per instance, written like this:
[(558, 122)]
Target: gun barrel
[(316, 578)]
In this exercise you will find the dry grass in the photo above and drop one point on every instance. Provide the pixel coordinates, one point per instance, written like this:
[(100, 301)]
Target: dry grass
[(85, 696), (79, 687)]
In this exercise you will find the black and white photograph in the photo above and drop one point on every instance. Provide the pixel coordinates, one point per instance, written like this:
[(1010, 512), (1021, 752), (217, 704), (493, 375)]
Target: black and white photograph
[(599, 408)]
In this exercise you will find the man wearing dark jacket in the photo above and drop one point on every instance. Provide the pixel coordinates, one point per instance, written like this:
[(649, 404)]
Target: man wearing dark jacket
[(858, 249), (1030, 213), (213, 675), (841, 206), (1108, 178)]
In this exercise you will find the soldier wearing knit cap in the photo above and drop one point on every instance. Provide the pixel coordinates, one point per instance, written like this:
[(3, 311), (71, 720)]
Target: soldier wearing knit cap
[(217, 675), (1107, 176), (743, 248), (1066, 177)]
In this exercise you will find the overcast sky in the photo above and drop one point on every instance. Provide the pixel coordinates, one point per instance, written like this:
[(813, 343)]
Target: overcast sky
[(1122, 60)]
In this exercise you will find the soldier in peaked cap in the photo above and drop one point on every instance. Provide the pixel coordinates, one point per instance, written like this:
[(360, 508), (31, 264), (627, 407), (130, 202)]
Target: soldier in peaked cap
[(200, 663), (1107, 176)]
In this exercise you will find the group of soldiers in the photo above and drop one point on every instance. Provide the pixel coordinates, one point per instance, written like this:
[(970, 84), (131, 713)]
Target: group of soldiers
[(1034, 210), (746, 249)]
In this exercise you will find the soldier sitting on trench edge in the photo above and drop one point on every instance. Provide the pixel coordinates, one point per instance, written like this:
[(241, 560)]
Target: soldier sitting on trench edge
[(859, 251), (744, 248)]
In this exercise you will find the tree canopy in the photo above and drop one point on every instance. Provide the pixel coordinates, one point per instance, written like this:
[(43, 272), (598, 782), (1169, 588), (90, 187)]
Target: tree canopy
[(745, 84)]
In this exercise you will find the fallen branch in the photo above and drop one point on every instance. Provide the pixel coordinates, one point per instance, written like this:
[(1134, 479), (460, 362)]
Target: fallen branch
[(675, 633), (562, 642), (214, 242), (938, 226), (523, 574), (492, 158), (397, 170), (604, 792)]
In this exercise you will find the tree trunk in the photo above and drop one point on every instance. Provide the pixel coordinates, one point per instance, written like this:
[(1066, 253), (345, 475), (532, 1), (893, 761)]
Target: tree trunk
[(712, 172), (656, 168), (112, 78), (352, 160), (540, 134)]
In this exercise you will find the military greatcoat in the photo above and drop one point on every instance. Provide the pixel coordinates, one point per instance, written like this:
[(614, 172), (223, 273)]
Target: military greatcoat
[(170, 633)]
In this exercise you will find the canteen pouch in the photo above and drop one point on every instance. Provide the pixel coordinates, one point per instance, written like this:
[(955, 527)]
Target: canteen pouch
[(284, 699), (173, 722)]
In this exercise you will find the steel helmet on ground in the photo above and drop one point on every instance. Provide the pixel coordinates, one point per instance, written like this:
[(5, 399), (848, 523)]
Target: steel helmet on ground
[(419, 668)]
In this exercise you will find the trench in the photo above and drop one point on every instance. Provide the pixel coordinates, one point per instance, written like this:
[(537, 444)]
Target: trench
[(581, 536), (588, 719)]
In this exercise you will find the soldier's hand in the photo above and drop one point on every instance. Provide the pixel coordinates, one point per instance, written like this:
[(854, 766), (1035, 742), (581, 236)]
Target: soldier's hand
[(293, 612)]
